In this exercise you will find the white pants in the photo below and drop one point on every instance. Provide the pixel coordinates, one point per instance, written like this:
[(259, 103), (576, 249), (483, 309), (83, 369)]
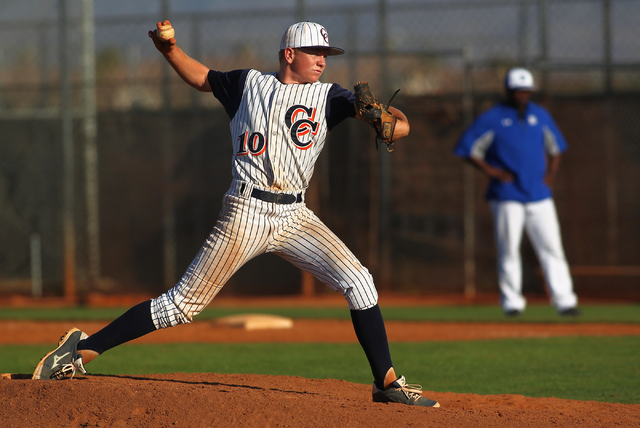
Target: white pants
[(248, 227), (540, 221)]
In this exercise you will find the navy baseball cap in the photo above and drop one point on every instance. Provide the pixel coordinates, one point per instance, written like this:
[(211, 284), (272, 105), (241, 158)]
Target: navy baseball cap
[(519, 79), (308, 35)]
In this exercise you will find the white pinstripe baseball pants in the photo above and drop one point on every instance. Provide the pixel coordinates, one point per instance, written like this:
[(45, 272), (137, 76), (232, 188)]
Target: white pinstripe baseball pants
[(540, 221), (248, 227)]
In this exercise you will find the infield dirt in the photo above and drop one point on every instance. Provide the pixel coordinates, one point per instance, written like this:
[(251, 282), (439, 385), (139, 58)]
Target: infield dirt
[(216, 400), (230, 400)]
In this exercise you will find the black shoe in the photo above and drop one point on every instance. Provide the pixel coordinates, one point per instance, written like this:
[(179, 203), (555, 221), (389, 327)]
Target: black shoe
[(571, 312), (513, 313), (400, 392)]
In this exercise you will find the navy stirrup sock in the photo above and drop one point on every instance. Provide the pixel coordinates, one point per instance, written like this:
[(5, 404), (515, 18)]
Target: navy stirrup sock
[(134, 323), (372, 335)]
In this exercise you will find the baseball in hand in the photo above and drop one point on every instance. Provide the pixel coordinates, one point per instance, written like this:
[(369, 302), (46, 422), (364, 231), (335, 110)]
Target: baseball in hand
[(165, 32)]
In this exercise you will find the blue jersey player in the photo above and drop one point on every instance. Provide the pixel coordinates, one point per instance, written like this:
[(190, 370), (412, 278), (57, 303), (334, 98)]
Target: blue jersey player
[(518, 146)]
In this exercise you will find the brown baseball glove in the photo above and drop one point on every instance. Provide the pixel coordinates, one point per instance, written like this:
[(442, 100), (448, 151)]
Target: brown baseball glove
[(375, 113)]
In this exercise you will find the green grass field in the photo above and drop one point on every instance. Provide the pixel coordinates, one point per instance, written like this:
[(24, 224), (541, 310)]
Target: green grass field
[(582, 368)]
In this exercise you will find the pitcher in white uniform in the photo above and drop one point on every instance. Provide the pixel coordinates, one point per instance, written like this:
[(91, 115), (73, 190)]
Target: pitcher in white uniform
[(279, 124)]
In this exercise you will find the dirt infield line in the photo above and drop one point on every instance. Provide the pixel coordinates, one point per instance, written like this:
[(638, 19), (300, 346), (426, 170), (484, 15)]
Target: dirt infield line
[(331, 331)]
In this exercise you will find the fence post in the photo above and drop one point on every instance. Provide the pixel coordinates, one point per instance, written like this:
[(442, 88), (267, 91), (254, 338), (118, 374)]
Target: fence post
[(90, 144), (606, 26), (385, 174), (542, 12), (470, 288), (168, 215), (69, 233), (36, 265)]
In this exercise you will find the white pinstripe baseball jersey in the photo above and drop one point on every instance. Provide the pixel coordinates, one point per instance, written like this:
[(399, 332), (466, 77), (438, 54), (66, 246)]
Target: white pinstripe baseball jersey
[(278, 129), (278, 132)]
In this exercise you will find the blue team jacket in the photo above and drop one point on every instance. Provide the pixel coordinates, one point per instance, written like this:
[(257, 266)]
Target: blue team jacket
[(515, 144)]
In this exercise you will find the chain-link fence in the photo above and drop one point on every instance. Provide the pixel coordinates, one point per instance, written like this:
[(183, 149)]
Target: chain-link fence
[(112, 169)]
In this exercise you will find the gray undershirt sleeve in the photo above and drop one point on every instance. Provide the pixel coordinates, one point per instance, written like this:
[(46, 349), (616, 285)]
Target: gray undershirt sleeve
[(550, 142), (481, 145)]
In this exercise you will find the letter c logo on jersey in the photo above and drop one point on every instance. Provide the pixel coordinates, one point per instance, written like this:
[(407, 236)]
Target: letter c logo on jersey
[(300, 121)]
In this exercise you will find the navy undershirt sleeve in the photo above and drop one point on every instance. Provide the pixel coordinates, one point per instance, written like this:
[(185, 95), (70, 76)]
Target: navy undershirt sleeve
[(227, 87), (340, 105)]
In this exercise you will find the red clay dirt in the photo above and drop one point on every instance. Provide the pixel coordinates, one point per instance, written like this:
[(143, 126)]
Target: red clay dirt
[(209, 399), (332, 331)]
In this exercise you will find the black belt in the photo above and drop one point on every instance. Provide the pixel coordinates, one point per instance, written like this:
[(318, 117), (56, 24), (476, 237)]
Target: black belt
[(276, 198)]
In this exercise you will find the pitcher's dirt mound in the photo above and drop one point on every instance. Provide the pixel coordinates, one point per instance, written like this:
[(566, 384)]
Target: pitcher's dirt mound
[(208, 400)]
